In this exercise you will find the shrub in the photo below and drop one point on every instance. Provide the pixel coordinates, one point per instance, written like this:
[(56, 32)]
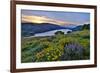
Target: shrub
[(69, 32), (72, 51), (59, 32)]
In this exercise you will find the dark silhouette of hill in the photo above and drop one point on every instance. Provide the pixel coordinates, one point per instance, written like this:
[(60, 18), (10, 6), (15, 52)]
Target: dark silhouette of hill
[(81, 27), (29, 29)]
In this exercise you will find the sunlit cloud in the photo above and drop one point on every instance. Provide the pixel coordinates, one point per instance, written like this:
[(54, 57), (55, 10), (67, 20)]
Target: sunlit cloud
[(43, 19)]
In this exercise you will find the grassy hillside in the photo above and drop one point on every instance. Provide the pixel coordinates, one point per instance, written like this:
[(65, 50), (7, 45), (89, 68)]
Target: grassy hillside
[(72, 46)]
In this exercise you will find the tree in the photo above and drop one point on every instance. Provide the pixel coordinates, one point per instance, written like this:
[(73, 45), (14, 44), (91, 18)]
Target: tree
[(59, 32), (69, 32), (86, 26)]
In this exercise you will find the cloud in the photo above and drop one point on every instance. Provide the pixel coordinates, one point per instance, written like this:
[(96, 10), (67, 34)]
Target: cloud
[(43, 19)]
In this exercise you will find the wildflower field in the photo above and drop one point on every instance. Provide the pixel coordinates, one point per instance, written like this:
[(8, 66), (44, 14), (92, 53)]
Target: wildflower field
[(61, 47)]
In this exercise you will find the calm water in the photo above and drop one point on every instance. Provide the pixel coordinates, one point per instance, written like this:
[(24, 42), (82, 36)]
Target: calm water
[(51, 33)]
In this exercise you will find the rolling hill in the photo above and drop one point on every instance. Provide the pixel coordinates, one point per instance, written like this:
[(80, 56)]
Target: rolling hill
[(29, 29), (81, 27)]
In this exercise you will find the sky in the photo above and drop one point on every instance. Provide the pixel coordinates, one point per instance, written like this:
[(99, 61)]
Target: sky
[(57, 17)]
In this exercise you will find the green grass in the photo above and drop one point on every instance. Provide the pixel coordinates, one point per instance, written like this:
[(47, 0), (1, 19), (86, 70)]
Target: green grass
[(52, 48)]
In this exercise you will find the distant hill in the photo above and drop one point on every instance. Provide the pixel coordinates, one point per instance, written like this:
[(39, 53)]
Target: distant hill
[(29, 29), (81, 27)]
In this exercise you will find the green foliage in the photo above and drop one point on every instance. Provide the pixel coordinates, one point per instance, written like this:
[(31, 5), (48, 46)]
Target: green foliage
[(59, 32), (40, 49), (69, 32), (86, 26)]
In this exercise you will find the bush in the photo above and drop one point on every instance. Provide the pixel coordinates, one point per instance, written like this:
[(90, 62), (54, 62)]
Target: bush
[(69, 32), (72, 51), (59, 32)]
